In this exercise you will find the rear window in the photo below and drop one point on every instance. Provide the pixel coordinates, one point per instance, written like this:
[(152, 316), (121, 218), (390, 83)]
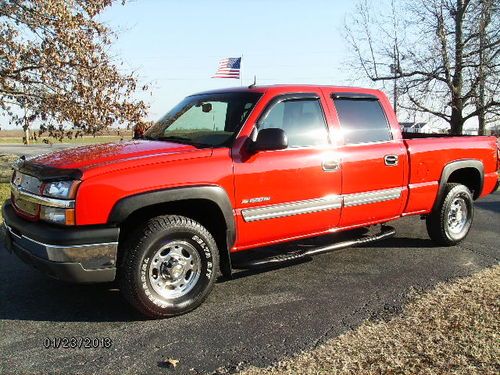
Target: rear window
[(362, 121)]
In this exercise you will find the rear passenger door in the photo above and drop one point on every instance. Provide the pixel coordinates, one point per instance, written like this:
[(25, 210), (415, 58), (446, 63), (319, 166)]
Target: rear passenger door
[(373, 161)]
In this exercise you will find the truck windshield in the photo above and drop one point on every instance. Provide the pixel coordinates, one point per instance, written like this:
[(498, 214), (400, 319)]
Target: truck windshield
[(205, 120)]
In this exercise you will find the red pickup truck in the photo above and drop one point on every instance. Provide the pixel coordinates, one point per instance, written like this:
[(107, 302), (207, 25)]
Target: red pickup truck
[(231, 170)]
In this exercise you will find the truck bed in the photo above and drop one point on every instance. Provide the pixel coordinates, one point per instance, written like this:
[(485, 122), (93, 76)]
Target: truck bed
[(412, 135), (427, 155)]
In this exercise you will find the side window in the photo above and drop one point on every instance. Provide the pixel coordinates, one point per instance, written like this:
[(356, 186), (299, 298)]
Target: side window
[(302, 120), (362, 121)]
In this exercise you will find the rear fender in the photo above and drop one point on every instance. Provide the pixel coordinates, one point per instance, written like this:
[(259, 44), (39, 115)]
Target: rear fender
[(458, 165)]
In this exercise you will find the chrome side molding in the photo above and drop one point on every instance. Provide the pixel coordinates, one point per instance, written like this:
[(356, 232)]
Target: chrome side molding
[(371, 197), (331, 202), (292, 208)]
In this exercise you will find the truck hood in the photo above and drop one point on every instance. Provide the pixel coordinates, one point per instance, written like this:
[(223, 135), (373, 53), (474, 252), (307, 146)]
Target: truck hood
[(92, 156)]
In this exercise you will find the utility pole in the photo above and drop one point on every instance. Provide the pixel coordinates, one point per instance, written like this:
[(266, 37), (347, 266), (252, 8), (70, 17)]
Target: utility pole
[(395, 70), (483, 23)]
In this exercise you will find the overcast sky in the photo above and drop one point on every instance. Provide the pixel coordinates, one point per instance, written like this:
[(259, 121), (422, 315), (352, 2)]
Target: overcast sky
[(175, 45)]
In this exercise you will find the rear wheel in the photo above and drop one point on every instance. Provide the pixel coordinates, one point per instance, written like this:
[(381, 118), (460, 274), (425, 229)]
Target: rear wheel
[(169, 266), (451, 219)]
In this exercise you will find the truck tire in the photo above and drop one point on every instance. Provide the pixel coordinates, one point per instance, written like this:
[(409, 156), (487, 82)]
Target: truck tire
[(451, 219), (169, 266)]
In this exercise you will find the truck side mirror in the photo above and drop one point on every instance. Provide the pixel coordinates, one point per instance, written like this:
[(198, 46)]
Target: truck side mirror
[(270, 139)]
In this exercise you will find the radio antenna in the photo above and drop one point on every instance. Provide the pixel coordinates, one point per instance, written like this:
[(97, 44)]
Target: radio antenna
[(254, 82)]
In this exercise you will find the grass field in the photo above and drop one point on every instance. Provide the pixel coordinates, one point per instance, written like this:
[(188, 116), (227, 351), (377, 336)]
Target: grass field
[(452, 329), (5, 167), (4, 194), (15, 136), (5, 174), (84, 140)]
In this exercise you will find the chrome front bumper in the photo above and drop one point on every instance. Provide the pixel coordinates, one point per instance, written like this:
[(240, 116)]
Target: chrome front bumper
[(64, 253), (90, 256)]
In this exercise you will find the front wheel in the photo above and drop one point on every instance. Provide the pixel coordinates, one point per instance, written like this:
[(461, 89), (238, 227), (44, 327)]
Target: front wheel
[(450, 221), (169, 266)]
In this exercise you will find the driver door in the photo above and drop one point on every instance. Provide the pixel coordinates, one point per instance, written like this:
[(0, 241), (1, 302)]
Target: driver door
[(293, 192)]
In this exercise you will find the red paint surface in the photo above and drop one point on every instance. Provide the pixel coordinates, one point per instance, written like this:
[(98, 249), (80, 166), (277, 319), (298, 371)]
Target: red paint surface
[(114, 171)]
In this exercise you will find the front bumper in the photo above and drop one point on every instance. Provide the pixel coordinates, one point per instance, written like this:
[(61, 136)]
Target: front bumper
[(76, 254)]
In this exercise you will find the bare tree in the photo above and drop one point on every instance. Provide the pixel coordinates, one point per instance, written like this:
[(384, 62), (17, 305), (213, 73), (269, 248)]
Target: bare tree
[(56, 69), (443, 54), (488, 72)]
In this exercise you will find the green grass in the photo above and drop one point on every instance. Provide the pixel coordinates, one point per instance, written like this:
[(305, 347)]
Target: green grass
[(4, 194), (6, 167), (5, 175)]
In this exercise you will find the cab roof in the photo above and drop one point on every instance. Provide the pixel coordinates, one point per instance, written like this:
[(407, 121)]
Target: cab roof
[(290, 88)]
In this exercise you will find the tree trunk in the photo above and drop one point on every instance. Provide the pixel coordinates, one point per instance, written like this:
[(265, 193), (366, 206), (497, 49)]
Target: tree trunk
[(457, 121), (26, 128), (480, 100), (485, 13)]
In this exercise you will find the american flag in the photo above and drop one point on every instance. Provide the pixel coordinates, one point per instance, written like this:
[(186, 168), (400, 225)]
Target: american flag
[(229, 68)]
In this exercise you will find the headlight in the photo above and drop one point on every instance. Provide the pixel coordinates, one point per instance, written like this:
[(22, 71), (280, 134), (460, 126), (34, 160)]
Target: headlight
[(64, 216), (60, 189)]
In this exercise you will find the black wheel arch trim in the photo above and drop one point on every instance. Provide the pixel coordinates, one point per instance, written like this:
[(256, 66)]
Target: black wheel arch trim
[(216, 194), (455, 166)]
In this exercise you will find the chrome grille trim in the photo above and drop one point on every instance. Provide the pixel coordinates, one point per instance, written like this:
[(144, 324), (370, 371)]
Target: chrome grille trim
[(20, 193), (26, 182)]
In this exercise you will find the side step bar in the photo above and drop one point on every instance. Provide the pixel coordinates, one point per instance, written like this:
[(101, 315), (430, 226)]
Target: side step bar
[(385, 232)]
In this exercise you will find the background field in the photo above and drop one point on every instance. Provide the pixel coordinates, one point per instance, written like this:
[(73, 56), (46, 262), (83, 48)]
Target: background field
[(111, 135), (4, 194)]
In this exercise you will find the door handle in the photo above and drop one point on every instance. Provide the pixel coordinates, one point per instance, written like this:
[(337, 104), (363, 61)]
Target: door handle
[(391, 160), (330, 165)]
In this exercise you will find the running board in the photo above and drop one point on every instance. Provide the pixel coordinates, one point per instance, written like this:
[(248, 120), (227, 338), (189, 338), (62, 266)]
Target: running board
[(385, 232)]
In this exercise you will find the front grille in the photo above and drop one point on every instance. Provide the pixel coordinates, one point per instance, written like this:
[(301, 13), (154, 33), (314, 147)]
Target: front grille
[(28, 208), (27, 183)]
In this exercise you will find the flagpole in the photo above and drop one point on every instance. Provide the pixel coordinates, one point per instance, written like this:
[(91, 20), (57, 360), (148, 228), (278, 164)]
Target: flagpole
[(241, 71)]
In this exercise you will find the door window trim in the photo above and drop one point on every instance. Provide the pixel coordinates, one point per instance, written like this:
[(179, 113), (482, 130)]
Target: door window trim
[(294, 97), (361, 97)]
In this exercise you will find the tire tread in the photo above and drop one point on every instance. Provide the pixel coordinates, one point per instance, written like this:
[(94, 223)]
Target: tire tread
[(436, 218), (132, 248)]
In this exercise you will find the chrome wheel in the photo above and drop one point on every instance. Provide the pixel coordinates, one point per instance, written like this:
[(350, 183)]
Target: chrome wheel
[(174, 269), (457, 215)]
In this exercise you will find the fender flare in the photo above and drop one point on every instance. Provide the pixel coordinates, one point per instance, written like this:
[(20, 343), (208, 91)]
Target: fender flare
[(455, 166), (216, 194)]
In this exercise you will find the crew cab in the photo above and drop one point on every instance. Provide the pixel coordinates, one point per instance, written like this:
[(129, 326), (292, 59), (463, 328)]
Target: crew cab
[(232, 170)]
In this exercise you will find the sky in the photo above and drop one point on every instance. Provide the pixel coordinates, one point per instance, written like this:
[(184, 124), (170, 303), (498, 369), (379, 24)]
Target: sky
[(174, 46)]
